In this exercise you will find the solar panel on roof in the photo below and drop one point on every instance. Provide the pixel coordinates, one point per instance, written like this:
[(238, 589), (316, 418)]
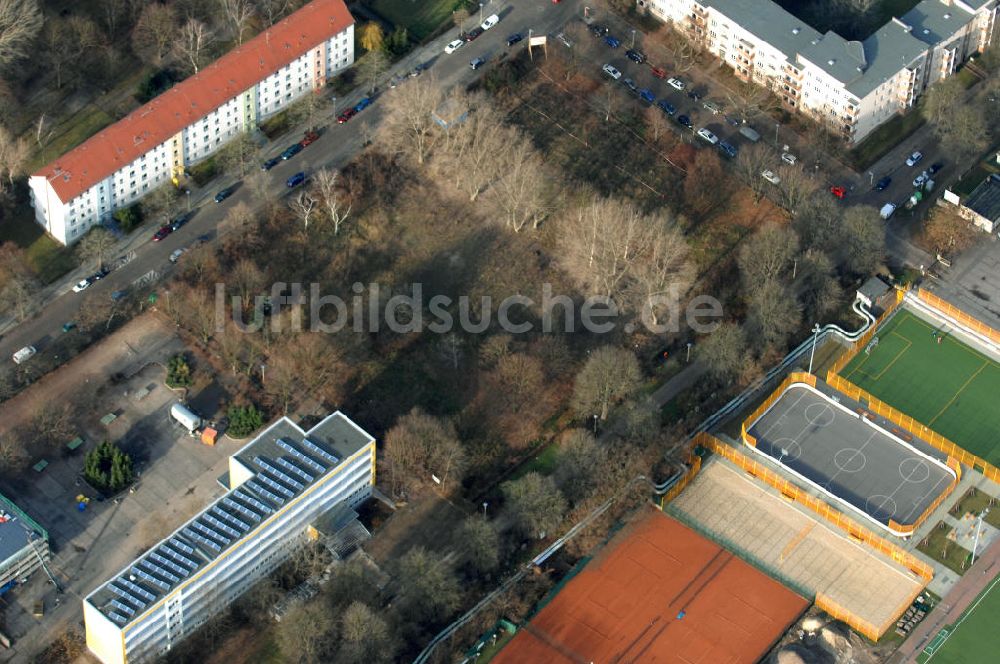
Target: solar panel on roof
[(262, 491), (241, 508), (117, 617), (127, 596), (313, 447), (203, 540), (209, 533), (279, 474), (170, 564), (122, 607), (297, 453), (261, 508), (295, 470), (178, 556), (136, 589), (231, 519), (212, 521), (181, 545), (149, 577), (158, 571), (276, 486)]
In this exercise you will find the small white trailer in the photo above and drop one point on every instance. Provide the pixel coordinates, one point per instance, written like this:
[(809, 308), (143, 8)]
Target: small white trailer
[(185, 416)]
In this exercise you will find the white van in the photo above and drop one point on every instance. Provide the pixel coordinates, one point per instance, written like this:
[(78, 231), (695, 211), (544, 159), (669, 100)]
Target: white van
[(887, 210), (23, 354)]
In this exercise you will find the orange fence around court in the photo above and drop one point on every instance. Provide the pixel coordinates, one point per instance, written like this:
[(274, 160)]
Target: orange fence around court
[(832, 515), (963, 318), (872, 631), (793, 377), (915, 428), (863, 340), (675, 490)]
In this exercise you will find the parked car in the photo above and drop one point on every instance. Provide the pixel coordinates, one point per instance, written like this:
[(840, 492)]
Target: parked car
[(728, 149), (658, 72), (166, 230), (82, 285), (180, 220), (630, 84), (564, 40), (666, 107), (342, 118), (647, 95), (453, 46), (712, 107), (477, 63), (685, 120), (176, 255), (490, 22), (920, 180), (914, 158), (228, 191), (291, 151), (730, 120), (295, 180), (838, 191), (887, 210), (363, 104), (694, 95), (935, 167), (309, 138), (613, 42), (270, 163), (611, 71), (514, 38), (68, 326), (708, 136), (635, 56), (101, 273), (788, 158), (883, 184), (676, 83), (118, 295), (770, 176), (599, 30), (23, 354), (473, 34)]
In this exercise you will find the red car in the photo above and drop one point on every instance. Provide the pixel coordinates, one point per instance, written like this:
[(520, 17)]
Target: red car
[(162, 233), (346, 115), (658, 73), (839, 192), (310, 137)]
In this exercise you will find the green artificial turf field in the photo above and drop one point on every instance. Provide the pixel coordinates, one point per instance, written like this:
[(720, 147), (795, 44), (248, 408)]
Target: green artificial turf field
[(947, 386), (974, 639)]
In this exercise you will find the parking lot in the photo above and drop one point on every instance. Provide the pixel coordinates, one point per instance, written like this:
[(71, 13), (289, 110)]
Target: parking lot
[(177, 475)]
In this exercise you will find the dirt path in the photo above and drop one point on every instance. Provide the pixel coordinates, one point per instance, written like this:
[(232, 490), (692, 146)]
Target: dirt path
[(952, 605), (136, 342)]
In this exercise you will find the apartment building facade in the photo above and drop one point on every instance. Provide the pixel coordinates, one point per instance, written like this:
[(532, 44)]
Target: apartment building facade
[(851, 87), (278, 485), (24, 545), (126, 161)]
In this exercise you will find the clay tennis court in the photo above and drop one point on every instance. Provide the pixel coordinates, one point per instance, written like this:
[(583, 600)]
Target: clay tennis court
[(659, 592), (827, 442)]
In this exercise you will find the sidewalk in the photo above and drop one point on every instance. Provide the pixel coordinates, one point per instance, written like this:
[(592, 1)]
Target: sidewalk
[(952, 605)]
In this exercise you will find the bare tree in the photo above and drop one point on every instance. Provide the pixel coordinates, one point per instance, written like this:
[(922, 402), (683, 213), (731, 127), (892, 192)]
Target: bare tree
[(863, 244), (938, 101), (428, 587), (409, 127), (767, 254), (20, 22), (460, 16), (14, 154), (370, 68), (238, 13), (724, 351), (582, 461), (272, 10), (193, 42), (333, 198), (657, 121), (481, 543), (773, 315), (521, 192), (796, 187), (96, 245), (155, 32), (365, 636), (520, 377), (818, 289), (68, 41), (241, 224), (535, 503), (474, 151), (302, 207), (706, 187), (248, 280), (259, 183), (306, 633), (663, 274), (12, 450), (610, 376), (750, 163), (948, 233), (420, 446), (749, 101)]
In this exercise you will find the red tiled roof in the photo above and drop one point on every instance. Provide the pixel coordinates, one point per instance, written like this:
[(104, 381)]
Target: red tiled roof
[(187, 102)]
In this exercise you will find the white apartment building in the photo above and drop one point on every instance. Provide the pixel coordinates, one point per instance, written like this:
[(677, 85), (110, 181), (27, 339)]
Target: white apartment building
[(278, 485), (124, 162), (851, 87)]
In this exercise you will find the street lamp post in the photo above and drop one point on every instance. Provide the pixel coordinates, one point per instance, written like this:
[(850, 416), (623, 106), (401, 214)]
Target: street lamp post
[(633, 40), (480, 12), (812, 353), (688, 360), (595, 424), (871, 178), (187, 192), (776, 127), (485, 505), (979, 528), (262, 367)]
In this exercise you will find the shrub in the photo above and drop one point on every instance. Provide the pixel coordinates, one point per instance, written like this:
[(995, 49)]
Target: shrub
[(128, 218), (154, 84), (107, 468), (178, 372), (244, 420)]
